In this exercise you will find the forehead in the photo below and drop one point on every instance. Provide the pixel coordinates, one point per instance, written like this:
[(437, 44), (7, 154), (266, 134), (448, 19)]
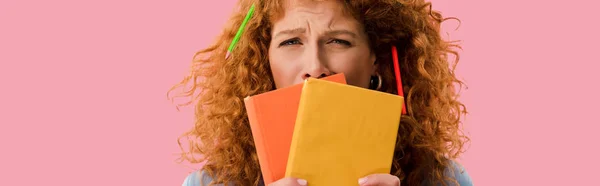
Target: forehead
[(316, 6), (295, 13)]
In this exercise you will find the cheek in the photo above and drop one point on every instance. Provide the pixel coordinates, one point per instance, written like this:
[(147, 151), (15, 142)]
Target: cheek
[(283, 69), (357, 69)]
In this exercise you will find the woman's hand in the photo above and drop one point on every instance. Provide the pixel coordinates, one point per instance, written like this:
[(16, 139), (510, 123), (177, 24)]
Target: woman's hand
[(289, 182), (379, 180)]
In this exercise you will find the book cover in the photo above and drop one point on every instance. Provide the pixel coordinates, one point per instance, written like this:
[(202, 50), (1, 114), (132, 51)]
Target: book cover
[(272, 116), (343, 133)]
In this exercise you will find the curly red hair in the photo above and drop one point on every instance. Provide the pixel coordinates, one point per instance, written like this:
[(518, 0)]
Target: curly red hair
[(428, 137)]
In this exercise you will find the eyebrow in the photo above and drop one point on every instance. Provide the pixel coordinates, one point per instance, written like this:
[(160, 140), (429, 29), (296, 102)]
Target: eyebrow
[(303, 30), (290, 32)]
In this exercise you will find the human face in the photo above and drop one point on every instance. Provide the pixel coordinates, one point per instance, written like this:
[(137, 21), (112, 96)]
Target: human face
[(317, 39)]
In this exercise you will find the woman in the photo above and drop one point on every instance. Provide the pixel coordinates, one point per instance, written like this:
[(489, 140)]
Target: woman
[(287, 41)]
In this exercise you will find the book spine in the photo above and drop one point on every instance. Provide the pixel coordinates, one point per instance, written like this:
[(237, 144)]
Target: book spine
[(289, 172)]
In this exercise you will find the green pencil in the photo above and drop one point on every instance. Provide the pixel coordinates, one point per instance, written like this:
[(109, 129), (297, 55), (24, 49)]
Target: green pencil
[(240, 31)]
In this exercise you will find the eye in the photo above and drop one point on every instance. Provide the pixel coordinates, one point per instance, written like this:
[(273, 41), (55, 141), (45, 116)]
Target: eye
[(293, 41), (342, 42)]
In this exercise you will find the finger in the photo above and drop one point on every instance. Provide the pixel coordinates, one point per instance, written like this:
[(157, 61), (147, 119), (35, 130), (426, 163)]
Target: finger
[(379, 180), (289, 182)]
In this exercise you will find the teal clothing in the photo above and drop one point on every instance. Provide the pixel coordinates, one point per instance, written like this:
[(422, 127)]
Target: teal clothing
[(200, 178)]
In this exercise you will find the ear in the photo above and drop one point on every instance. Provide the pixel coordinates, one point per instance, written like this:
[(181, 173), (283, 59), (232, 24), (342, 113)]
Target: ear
[(373, 60)]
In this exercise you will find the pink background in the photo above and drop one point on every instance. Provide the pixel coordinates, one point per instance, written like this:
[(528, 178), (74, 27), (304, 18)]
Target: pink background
[(83, 89)]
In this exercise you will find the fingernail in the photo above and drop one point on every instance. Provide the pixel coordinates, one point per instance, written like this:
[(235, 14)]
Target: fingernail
[(302, 182), (362, 181)]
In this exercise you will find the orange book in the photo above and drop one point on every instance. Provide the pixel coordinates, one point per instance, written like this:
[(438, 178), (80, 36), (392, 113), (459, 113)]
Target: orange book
[(272, 116)]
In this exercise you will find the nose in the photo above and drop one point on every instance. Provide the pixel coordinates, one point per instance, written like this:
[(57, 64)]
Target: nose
[(315, 75), (315, 64)]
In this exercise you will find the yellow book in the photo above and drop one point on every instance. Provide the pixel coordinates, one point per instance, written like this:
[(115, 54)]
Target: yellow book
[(342, 133)]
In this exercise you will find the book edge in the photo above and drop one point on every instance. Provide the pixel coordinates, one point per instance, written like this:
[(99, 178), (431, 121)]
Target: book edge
[(259, 129), (297, 128)]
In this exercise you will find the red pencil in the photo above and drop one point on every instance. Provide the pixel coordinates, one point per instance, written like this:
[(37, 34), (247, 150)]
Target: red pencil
[(398, 77)]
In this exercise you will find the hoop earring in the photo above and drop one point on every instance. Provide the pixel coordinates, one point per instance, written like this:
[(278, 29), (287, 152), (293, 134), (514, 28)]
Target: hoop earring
[(376, 82)]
